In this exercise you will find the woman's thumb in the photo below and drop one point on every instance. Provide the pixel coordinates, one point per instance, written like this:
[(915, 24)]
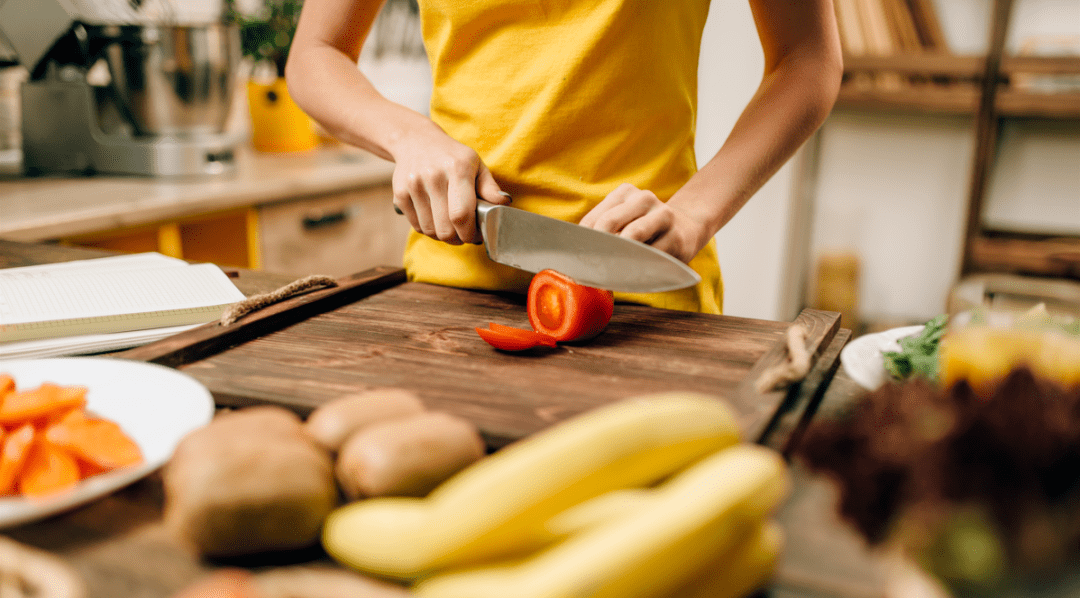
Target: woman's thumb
[(488, 189)]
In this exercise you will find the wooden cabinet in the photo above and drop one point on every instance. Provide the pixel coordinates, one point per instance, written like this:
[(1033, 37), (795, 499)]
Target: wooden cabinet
[(336, 234), (224, 238)]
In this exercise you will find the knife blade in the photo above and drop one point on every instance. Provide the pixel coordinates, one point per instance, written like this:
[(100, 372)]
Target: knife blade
[(532, 242)]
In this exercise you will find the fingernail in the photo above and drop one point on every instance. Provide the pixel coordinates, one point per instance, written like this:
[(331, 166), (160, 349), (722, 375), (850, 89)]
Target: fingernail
[(506, 195)]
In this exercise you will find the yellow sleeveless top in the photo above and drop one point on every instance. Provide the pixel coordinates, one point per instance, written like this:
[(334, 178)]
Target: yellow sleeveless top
[(564, 100)]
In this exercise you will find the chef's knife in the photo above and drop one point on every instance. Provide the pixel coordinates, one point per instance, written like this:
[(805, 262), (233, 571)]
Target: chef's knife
[(591, 257)]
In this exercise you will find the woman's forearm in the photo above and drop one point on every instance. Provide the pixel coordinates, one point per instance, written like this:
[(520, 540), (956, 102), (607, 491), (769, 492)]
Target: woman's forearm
[(436, 179), (325, 81), (327, 85), (803, 68), (791, 103)]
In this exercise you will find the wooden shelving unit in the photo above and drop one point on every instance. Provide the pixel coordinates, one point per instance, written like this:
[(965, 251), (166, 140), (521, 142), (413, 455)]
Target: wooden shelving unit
[(951, 85), (989, 88)]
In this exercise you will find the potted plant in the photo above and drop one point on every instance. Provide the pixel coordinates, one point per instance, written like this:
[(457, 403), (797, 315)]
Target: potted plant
[(266, 33)]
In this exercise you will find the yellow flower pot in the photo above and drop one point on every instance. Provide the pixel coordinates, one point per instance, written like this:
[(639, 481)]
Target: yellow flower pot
[(277, 123)]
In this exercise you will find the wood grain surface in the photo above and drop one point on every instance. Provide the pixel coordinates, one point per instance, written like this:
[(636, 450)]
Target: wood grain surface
[(422, 337), (213, 337)]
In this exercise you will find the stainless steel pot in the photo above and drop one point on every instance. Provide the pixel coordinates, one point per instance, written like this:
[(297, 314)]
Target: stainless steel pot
[(175, 80)]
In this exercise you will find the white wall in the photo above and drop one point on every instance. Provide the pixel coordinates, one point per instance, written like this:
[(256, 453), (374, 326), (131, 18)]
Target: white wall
[(891, 187), (752, 246)]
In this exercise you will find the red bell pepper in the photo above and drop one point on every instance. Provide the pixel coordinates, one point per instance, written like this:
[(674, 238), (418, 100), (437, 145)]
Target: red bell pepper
[(566, 310), (508, 338)]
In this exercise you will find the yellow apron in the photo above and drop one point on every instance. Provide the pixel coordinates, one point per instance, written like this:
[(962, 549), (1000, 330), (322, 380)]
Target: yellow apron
[(564, 100)]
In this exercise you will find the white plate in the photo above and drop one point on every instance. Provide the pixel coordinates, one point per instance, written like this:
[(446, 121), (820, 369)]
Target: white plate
[(155, 405), (863, 358)]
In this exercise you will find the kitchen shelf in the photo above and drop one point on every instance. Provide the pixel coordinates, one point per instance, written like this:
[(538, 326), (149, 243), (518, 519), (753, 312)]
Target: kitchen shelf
[(1020, 253), (924, 99), (962, 66), (989, 88), (950, 84)]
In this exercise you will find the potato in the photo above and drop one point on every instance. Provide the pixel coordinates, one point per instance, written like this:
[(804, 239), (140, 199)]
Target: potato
[(332, 422), (322, 582), (250, 481), (276, 421), (406, 457)]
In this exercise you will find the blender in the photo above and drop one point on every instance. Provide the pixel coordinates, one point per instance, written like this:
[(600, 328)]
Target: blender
[(123, 87)]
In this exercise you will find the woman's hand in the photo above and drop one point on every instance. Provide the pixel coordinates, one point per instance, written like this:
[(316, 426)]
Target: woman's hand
[(639, 215), (436, 182)]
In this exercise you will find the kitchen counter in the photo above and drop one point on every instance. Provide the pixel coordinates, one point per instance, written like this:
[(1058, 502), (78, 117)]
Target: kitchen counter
[(53, 207), (120, 547)]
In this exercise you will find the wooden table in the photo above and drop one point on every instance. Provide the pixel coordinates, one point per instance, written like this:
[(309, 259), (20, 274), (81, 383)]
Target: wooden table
[(121, 549)]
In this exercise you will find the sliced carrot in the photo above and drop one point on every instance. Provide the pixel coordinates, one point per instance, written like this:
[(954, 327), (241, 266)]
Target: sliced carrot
[(88, 469), (100, 443), (13, 456), (22, 406), (49, 443), (48, 470), (7, 384), (49, 419)]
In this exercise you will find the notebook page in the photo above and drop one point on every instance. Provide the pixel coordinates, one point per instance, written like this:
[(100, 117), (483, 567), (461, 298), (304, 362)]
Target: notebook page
[(75, 301), (87, 343)]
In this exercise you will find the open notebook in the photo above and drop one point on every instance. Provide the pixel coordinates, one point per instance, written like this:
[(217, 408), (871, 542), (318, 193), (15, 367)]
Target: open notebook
[(106, 304)]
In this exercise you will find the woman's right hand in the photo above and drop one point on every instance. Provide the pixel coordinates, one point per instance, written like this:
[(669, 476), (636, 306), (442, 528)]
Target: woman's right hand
[(436, 182)]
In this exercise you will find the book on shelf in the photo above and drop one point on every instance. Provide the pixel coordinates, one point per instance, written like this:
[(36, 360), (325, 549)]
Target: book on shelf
[(887, 28), (924, 15), (901, 22), (106, 304), (847, 20), (878, 37), (875, 26)]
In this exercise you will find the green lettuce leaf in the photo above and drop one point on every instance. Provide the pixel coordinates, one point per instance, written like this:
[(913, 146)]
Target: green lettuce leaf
[(918, 354)]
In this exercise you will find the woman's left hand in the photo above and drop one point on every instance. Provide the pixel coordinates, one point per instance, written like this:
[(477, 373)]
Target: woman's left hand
[(639, 215)]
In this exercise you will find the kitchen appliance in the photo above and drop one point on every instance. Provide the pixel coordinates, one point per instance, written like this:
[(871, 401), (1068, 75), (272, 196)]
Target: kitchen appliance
[(123, 86), (593, 258)]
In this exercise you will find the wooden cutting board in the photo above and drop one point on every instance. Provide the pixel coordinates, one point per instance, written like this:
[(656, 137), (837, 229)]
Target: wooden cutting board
[(421, 337)]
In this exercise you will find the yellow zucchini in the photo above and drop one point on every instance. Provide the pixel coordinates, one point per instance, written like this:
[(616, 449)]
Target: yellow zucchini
[(499, 506), (741, 570), (601, 509), (700, 514)]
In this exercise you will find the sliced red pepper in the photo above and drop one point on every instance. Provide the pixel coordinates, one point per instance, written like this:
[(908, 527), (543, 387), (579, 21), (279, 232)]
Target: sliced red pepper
[(508, 338), (566, 310)]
